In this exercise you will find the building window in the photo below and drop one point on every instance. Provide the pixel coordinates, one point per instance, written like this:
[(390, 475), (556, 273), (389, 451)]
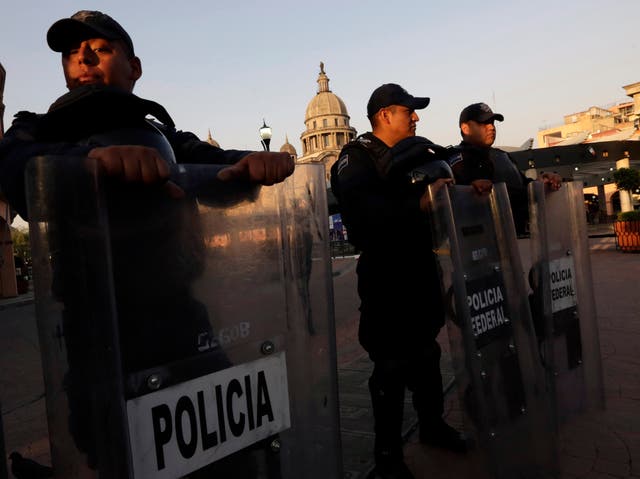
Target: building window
[(325, 140), (325, 123), (314, 124), (336, 120)]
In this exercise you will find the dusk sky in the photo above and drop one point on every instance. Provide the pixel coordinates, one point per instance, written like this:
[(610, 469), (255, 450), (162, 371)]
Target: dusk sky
[(224, 65)]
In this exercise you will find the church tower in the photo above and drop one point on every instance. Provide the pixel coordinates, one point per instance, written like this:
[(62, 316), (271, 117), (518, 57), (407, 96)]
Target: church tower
[(289, 148), (327, 126)]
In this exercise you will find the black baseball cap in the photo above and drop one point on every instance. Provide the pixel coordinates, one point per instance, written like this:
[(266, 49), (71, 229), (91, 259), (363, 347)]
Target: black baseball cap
[(479, 112), (86, 24), (392, 94)]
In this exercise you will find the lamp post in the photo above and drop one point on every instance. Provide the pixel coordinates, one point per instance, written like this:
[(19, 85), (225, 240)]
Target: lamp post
[(265, 135)]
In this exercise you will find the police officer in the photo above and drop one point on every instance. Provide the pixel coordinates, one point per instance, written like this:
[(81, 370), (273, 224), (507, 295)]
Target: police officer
[(154, 262), (475, 162), (401, 310)]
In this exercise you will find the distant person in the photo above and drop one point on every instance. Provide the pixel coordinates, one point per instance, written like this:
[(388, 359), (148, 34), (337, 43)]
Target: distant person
[(593, 212), (401, 309), (155, 246), (475, 162), (22, 275)]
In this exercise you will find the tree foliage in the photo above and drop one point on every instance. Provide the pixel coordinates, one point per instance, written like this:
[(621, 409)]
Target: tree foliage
[(21, 244), (627, 179)]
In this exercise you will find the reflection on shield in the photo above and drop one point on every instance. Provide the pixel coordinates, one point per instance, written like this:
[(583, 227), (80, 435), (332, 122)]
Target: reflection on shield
[(563, 300), (498, 374), (189, 337)]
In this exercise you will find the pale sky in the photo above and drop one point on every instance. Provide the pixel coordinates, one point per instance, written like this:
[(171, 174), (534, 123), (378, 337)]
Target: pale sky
[(224, 65)]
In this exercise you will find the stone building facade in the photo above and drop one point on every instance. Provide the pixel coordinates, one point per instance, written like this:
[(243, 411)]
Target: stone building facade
[(619, 122)]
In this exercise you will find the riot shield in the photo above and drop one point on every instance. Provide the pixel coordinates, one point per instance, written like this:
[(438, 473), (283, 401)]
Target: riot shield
[(184, 337), (562, 300), (498, 374), (75, 314)]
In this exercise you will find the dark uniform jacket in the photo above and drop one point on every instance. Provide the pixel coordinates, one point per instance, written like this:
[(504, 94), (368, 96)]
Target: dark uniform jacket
[(469, 163), (398, 281)]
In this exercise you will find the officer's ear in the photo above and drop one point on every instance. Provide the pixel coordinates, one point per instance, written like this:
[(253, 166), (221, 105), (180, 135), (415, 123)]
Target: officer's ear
[(465, 130), (383, 115), (377, 119), (136, 68)]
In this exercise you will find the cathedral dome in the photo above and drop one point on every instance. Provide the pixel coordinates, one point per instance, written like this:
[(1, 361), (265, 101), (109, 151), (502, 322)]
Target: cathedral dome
[(327, 125), (325, 102)]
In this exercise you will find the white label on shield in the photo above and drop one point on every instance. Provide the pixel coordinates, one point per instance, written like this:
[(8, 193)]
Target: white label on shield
[(183, 428), (563, 290)]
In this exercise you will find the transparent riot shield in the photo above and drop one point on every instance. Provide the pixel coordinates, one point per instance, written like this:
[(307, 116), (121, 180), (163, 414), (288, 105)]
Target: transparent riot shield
[(185, 337), (563, 301), (493, 347), (76, 318), (313, 443)]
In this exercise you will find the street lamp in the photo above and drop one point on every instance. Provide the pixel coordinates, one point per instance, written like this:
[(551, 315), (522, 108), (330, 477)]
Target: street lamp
[(265, 135)]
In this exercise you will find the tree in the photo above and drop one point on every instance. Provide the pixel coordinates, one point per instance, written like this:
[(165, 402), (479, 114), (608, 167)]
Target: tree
[(627, 179), (21, 245)]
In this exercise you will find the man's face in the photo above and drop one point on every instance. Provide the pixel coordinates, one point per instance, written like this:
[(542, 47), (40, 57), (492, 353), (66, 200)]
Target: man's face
[(401, 121), (97, 61), (479, 134)]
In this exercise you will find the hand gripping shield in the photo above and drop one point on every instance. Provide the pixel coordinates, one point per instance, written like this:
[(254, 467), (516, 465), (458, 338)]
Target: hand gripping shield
[(184, 337), (498, 373), (562, 300)]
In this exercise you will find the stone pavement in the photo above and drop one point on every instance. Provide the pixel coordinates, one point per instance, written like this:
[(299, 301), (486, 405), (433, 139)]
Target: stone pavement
[(601, 445)]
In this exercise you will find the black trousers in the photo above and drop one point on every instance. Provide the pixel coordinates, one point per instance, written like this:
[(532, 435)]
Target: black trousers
[(419, 371)]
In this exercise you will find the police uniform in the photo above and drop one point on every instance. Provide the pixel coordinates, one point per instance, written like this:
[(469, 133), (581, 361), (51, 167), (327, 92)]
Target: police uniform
[(401, 308), (469, 162)]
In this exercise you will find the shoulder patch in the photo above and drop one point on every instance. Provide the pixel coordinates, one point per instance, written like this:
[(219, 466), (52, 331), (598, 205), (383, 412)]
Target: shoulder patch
[(457, 158), (342, 163)]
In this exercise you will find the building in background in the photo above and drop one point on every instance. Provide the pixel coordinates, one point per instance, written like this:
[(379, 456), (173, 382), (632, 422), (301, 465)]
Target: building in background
[(615, 123), (327, 130), (588, 147), (327, 126), (289, 148)]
